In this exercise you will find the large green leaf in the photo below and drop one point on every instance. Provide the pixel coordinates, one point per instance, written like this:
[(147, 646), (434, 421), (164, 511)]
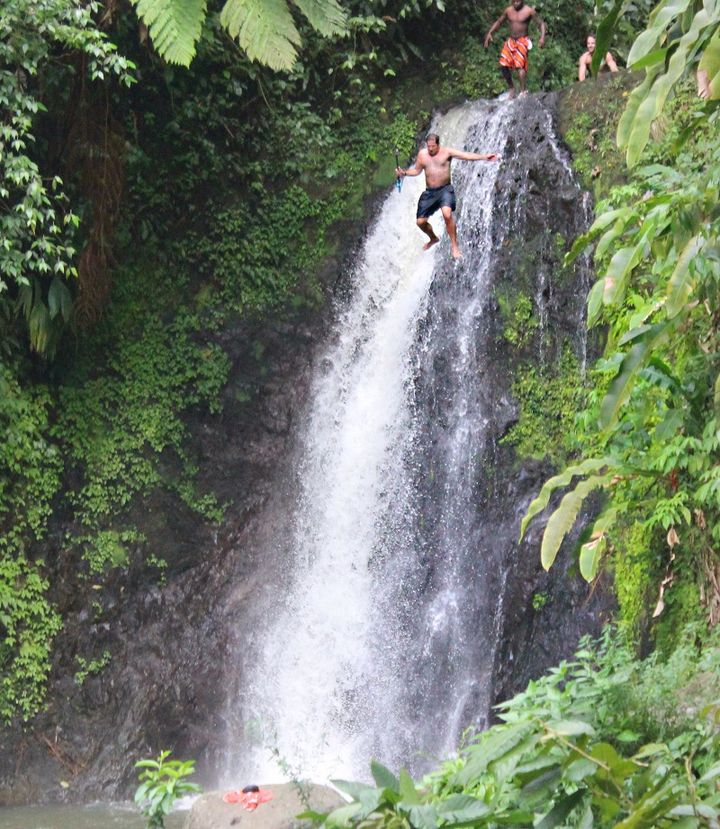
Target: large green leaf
[(635, 358), (618, 272), (564, 517), (384, 777), (325, 16), (570, 728), (556, 816), (264, 29), (342, 816), (174, 26), (637, 96), (558, 481), (654, 101), (459, 809), (493, 745), (710, 63), (409, 793), (602, 221), (591, 552), (595, 302), (351, 788), (662, 15), (681, 285), (424, 817), (604, 33)]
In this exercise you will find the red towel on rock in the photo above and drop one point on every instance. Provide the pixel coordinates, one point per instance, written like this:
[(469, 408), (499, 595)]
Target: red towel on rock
[(248, 800)]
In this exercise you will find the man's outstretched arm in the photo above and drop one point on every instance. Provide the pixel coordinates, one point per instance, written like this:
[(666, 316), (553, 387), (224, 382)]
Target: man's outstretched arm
[(610, 61), (495, 26), (543, 28), (465, 156), (415, 170)]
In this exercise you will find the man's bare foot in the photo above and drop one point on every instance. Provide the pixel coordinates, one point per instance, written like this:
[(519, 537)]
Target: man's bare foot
[(456, 253), (429, 244), (523, 93), (511, 93)]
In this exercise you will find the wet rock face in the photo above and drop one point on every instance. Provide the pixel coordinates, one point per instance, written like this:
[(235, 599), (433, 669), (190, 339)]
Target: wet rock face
[(545, 613), (163, 687), (171, 644), (470, 516)]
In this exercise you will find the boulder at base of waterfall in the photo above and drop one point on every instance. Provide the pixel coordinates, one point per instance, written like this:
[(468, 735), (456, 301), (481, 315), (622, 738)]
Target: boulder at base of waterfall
[(211, 812)]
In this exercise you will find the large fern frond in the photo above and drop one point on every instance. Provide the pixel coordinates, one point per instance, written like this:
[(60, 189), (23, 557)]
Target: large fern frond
[(264, 29), (174, 26), (325, 16)]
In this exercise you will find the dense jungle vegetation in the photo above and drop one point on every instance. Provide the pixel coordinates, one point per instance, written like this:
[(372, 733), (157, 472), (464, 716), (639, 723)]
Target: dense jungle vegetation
[(128, 244)]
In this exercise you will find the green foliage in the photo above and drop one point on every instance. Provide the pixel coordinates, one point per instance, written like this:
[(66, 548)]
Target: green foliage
[(549, 397), (29, 625), (162, 782), (268, 33), (600, 741), (637, 571), (539, 600), (30, 470), (519, 320), (265, 31), (589, 131), (115, 427), (91, 667), (37, 225), (680, 35), (653, 415)]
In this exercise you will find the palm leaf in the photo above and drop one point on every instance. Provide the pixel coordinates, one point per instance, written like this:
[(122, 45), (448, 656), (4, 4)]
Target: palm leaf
[(174, 26), (604, 34), (654, 100), (264, 29), (591, 552), (558, 481), (681, 285), (618, 272), (624, 381), (663, 14), (710, 63), (325, 16), (564, 517), (602, 221), (637, 96)]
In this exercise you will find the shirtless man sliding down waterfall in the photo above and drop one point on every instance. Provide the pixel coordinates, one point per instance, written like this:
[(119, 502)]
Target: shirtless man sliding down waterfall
[(434, 161)]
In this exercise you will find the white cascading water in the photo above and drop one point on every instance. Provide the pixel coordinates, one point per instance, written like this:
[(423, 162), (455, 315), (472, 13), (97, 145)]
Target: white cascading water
[(326, 684), (379, 635)]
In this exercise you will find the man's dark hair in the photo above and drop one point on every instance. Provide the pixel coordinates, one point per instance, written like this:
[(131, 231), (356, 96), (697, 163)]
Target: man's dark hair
[(432, 136), (249, 789)]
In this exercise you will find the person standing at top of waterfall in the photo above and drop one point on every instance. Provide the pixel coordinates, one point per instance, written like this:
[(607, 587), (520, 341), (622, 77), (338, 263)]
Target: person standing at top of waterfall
[(434, 161), (514, 53), (585, 64)]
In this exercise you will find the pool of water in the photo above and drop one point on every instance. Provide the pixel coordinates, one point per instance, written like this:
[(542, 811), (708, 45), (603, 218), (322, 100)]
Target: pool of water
[(99, 816)]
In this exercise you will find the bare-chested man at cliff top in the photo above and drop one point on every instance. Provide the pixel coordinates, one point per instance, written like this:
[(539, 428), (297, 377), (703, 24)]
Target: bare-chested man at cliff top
[(586, 59), (514, 54), (434, 161)]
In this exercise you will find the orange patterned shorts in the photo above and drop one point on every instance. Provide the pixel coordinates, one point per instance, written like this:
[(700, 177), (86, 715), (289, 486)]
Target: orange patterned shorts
[(514, 54)]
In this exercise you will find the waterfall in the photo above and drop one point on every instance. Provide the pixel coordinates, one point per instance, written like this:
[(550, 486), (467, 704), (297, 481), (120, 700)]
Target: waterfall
[(379, 632)]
